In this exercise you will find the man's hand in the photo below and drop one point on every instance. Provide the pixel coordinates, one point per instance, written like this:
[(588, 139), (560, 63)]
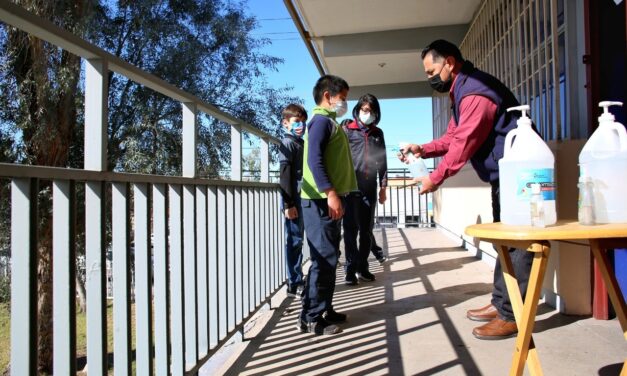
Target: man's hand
[(426, 185), (382, 195), (291, 213), (335, 205), (415, 149)]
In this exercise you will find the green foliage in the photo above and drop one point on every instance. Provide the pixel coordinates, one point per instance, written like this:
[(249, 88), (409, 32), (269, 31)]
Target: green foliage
[(202, 46)]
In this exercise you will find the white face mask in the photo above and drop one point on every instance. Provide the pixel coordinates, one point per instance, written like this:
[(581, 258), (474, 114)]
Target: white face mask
[(366, 118), (340, 108)]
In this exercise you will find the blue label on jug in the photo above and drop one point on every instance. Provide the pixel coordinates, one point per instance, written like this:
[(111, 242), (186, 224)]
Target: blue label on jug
[(542, 176)]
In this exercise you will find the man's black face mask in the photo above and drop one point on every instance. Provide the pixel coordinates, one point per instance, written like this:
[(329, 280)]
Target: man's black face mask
[(438, 85)]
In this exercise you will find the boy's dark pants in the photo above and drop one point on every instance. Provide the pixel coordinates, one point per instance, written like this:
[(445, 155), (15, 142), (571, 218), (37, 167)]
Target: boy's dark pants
[(294, 247), (521, 261), (323, 236), (359, 217)]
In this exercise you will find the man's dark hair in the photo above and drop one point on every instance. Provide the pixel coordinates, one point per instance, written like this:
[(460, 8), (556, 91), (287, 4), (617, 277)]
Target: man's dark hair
[(442, 49), (333, 84), (374, 107), (293, 110)]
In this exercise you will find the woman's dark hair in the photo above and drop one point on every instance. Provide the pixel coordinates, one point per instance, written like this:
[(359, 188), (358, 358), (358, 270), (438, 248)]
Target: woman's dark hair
[(333, 84), (442, 49), (375, 109)]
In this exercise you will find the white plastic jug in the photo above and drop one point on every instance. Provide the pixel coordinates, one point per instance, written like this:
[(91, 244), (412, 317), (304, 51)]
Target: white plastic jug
[(526, 160), (603, 159)]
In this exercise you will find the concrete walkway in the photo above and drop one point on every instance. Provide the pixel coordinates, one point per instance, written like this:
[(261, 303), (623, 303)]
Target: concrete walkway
[(411, 321)]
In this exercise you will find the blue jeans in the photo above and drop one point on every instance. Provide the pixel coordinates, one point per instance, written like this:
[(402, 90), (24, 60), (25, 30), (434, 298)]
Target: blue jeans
[(521, 262), (323, 236), (359, 218), (294, 247)]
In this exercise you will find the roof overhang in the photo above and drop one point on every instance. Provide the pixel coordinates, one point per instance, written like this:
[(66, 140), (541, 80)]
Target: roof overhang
[(375, 45)]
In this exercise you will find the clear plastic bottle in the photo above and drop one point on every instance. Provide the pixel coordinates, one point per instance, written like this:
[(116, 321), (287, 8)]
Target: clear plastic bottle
[(585, 212), (536, 206), (416, 165)]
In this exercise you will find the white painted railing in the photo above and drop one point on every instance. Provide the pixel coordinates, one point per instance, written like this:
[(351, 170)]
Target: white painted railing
[(207, 253)]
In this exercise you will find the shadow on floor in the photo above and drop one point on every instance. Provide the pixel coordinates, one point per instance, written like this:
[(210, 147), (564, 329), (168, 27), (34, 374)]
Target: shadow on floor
[(370, 341)]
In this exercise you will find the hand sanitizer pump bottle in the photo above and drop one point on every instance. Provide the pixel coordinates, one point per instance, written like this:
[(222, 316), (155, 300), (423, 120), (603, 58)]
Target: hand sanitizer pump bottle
[(526, 160), (603, 160)]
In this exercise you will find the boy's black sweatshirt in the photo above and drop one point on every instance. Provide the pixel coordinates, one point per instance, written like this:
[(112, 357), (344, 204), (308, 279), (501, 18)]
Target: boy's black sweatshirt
[(291, 168)]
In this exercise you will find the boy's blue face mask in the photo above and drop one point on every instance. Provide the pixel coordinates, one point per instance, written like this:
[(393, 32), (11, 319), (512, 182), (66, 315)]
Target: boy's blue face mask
[(298, 128)]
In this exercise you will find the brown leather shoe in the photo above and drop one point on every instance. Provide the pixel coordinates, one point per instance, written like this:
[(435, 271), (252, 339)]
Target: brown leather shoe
[(487, 313), (496, 329)]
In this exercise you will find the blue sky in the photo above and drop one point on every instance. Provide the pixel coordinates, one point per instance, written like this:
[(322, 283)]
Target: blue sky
[(402, 120)]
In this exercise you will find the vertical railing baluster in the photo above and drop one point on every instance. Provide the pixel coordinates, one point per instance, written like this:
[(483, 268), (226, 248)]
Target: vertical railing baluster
[(246, 271), (177, 330), (24, 276), (162, 278), (63, 276), (230, 259), (212, 234), (120, 244), (263, 232), (95, 278), (189, 273), (258, 245), (143, 279), (237, 248), (201, 270), (222, 268)]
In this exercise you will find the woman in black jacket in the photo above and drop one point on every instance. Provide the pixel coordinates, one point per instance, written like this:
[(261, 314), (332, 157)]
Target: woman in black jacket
[(369, 158)]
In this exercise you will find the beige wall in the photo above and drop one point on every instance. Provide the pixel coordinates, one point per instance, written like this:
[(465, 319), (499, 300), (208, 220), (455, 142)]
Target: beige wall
[(464, 200)]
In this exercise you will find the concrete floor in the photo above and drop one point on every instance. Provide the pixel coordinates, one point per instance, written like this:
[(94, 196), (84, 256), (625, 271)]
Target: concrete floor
[(411, 321)]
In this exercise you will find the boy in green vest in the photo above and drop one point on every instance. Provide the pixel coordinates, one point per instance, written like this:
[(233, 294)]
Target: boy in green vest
[(328, 176)]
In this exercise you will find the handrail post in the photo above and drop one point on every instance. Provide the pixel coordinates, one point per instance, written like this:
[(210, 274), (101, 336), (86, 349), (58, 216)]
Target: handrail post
[(190, 135), (236, 152), (96, 119), (96, 114), (265, 160)]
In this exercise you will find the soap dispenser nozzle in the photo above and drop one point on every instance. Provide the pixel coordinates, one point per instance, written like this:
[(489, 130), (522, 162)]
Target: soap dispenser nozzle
[(522, 108), (607, 115)]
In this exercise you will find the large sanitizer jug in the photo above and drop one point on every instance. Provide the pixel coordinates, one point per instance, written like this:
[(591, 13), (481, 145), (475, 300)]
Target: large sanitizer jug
[(526, 160), (603, 162)]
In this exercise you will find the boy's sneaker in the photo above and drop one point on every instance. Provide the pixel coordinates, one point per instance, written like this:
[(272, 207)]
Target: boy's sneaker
[(350, 280), (292, 290), (334, 317), (319, 327), (366, 276), (382, 259)]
